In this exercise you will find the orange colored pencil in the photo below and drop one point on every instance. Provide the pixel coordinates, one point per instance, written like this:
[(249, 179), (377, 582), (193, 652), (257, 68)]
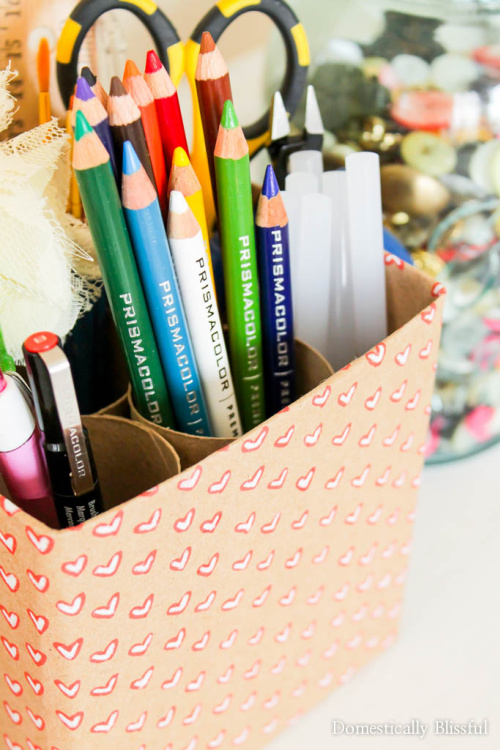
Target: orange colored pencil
[(141, 94), (43, 72)]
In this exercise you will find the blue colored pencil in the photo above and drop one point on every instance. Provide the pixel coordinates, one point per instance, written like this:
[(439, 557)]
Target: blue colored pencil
[(96, 115), (152, 252), (276, 296)]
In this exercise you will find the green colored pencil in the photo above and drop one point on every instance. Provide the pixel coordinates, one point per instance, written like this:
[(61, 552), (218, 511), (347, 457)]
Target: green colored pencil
[(121, 279), (234, 196)]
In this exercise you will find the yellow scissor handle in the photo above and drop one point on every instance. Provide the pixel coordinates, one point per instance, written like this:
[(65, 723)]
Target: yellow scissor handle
[(216, 21), (169, 46), (225, 12)]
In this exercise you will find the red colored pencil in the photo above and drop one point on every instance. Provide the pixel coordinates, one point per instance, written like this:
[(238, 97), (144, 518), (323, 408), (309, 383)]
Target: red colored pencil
[(167, 107), (141, 94)]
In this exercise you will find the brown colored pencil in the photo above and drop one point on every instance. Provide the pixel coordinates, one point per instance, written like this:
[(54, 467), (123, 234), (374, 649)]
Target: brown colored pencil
[(142, 96), (214, 88), (126, 125)]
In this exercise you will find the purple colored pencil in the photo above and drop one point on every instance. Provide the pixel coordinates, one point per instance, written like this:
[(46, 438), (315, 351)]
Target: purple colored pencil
[(86, 101)]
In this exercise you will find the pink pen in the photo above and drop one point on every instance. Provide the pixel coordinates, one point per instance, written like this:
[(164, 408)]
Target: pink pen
[(22, 465)]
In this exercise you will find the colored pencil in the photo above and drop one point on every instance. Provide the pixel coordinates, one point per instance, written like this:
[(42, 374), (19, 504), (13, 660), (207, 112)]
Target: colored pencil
[(121, 278), (43, 72), (275, 295), (167, 107), (74, 206), (152, 252), (214, 89), (95, 114), (142, 96), (95, 86), (126, 125), (198, 295), (234, 192), (183, 178)]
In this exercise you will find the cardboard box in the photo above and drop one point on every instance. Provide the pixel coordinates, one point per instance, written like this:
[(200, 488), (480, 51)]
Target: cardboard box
[(217, 607)]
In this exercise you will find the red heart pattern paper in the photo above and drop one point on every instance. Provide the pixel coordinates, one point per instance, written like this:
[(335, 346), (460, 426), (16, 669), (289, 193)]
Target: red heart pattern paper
[(215, 610)]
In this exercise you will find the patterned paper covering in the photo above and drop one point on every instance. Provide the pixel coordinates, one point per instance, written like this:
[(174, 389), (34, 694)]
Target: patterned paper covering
[(215, 609)]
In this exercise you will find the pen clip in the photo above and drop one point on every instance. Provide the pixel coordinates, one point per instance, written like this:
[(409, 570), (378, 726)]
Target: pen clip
[(23, 387), (63, 389)]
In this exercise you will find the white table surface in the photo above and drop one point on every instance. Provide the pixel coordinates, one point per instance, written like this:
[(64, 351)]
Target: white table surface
[(446, 662)]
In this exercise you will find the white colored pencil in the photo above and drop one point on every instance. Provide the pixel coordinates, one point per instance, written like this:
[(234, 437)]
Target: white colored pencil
[(200, 305)]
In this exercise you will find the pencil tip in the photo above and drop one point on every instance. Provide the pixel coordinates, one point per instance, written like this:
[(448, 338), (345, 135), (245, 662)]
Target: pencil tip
[(229, 119), (131, 162), (131, 69), (82, 126), (117, 88), (83, 90), (178, 204), (153, 62), (180, 158), (88, 75), (270, 188), (207, 43)]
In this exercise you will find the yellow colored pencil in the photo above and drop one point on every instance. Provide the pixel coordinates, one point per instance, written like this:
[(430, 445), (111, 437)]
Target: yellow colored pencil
[(183, 178)]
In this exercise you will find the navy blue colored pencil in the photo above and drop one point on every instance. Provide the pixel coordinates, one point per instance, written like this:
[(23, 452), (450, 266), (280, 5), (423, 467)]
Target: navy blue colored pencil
[(276, 296), (156, 269), (86, 101)]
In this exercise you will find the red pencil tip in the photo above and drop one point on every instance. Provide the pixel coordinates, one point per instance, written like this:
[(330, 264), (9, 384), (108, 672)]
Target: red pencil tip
[(153, 62), (131, 69), (207, 43)]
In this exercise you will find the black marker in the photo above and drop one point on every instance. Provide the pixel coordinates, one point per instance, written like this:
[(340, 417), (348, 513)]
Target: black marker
[(73, 477)]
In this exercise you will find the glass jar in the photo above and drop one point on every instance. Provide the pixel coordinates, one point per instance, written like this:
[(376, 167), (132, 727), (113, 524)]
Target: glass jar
[(419, 83)]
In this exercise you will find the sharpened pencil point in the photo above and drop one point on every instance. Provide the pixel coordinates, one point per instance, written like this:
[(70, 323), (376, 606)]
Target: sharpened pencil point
[(131, 162), (178, 204), (117, 88), (88, 75), (229, 120), (270, 188), (82, 126), (153, 62), (83, 90), (131, 69), (180, 158), (207, 43)]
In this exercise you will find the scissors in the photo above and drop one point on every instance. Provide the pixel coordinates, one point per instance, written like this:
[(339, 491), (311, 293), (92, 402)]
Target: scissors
[(180, 58)]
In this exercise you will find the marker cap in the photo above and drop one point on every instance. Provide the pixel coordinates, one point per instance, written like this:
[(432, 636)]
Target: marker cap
[(38, 375)]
